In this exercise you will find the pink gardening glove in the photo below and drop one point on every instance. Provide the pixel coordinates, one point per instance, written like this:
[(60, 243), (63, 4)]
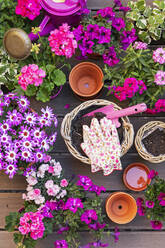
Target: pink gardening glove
[(101, 144)]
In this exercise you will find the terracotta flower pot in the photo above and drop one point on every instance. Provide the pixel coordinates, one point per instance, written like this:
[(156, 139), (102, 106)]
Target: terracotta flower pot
[(121, 207), (135, 176), (86, 80)]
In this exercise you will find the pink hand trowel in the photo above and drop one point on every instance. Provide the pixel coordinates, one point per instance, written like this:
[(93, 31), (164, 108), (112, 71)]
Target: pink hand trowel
[(114, 115)]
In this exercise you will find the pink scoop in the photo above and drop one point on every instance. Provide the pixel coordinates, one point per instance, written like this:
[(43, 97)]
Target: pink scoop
[(114, 115)]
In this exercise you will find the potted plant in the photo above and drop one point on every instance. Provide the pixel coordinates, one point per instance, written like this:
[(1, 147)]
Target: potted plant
[(152, 206), (148, 21), (24, 140), (104, 34), (52, 201), (141, 77)]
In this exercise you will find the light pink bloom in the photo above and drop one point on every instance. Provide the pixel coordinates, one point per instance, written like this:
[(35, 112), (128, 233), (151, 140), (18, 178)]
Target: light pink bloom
[(31, 180), (159, 55), (49, 184), (64, 183), (140, 45), (160, 78)]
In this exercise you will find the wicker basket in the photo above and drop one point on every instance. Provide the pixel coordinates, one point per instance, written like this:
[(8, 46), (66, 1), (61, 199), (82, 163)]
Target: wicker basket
[(66, 128), (139, 146)]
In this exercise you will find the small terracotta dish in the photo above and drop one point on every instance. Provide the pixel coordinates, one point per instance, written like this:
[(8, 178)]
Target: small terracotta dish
[(135, 176), (121, 207), (86, 80)]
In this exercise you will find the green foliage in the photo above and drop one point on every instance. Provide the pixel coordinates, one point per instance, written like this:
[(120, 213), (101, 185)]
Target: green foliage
[(12, 220), (151, 194), (140, 65), (148, 21)]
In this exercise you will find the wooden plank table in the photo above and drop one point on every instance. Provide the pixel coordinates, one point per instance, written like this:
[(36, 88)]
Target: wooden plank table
[(136, 234)]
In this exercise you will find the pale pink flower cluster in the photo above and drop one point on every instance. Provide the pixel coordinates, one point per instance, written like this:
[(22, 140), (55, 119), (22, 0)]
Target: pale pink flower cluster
[(31, 74), (140, 45), (51, 169), (159, 55), (62, 41), (28, 8), (32, 223), (52, 189), (160, 78)]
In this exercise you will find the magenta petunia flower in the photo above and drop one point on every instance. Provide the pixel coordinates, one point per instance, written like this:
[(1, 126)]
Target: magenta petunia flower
[(150, 204), (110, 57), (116, 234), (85, 182), (73, 204), (161, 198), (152, 174), (88, 216), (104, 35), (97, 189), (60, 244), (157, 225), (141, 211), (118, 23), (96, 226), (139, 201)]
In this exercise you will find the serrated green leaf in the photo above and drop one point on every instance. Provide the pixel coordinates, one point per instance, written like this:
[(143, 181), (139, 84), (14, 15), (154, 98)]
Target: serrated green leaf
[(43, 95), (29, 243), (17, 237), (31, 90)]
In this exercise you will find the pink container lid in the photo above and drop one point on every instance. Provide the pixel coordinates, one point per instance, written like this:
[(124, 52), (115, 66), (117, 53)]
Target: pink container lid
[(68, 7)]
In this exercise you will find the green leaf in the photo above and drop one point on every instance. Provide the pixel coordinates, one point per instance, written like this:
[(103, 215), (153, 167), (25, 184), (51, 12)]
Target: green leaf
[(3, 69), (141, 23), (17, 237), (141, 5), (29, 243), (133, 15), (3, 80), (59, 77), (159, 4), (43, 95), (129, 26), (144, 36), (31, 90), (12, 220), (156, 34), (148, 11)]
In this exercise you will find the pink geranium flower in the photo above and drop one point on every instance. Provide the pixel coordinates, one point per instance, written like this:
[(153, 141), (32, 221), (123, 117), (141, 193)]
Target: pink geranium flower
[(152, 174), (28, 8), (62, 41)]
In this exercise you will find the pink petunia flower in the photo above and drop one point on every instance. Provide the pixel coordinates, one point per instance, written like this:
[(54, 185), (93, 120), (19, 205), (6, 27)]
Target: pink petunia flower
[(161, 198), (152, 174), (150, 204), (157, 225)]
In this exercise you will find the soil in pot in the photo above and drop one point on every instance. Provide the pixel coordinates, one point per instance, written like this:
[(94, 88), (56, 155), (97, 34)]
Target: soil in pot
[(154, 143), (79, 121)]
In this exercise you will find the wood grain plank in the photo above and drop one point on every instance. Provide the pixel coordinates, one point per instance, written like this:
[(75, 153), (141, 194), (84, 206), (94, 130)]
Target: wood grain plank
[(17, 183), (97, 4), (9, 202), (126, 240)]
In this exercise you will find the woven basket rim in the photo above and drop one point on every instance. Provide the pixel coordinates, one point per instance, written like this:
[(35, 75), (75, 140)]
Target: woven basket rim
[(66, 128), (139, 146)]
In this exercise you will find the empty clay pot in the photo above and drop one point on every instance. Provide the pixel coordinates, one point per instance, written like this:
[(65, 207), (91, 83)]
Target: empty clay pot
[(121, 207), (135, 176), (86, 80)]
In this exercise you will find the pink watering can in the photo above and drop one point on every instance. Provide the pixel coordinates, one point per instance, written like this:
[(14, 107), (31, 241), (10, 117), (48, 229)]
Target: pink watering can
[(113, 114), (18, 44)]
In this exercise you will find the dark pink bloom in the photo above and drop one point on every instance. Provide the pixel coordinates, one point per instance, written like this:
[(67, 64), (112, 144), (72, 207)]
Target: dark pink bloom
[(96, 226), (157, 225), (60, 244), (141, 211), (85, 182), (150, 204), (116, 234), (118, 23), (73, 204), (67, 106), (88, 216), (97, 189), (161, 198), (28, 8), (139, 201), (63, 229), (152, 174)]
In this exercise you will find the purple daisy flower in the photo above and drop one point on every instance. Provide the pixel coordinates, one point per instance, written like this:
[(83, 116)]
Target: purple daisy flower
[(11, 169), (5, 126), (104, 35), (161, 198), (157, 225), (27, 145), (26, 155), (118, 23), (85, 182), (88, 216), (52, 138), (11, 155), (43, 122), (39, 156), (14, 117), (23, 103), (5, 138), (1, 111), (25, 132), (150, 204), (30, 119), (73, 204), (47, 113), (45, 144), (11, 96)]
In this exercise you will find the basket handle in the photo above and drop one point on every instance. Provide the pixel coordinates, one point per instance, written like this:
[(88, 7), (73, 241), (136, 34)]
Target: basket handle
[(63, 127), (130, 128)]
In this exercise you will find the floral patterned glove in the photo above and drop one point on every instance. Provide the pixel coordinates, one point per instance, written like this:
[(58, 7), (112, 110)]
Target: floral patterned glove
[(102, 146)]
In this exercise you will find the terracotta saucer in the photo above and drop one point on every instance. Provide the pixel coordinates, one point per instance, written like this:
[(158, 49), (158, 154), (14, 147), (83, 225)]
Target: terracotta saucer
[(121, 207), (135, 176)]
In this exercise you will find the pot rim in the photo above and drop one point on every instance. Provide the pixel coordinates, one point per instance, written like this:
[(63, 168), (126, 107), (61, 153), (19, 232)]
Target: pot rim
[(147, 170), (110, 197), (81, 65)]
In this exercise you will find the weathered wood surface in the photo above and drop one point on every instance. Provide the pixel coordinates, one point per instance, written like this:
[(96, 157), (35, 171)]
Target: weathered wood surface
[(136, 234)]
